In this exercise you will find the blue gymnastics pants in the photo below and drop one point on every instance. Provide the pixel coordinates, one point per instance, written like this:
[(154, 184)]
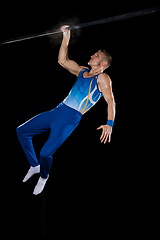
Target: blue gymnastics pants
[(61, 121)]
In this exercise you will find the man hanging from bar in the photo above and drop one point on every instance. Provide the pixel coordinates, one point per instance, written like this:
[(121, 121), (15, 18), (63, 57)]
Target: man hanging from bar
[(89, 87)]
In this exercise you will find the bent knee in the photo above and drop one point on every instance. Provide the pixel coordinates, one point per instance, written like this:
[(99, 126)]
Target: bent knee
[(18, 130)]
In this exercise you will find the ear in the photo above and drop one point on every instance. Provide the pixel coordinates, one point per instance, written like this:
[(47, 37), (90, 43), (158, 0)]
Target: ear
[(103, 64)]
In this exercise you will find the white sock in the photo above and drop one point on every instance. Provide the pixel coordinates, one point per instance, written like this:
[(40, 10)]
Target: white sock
[(31, 172), (40, 185)]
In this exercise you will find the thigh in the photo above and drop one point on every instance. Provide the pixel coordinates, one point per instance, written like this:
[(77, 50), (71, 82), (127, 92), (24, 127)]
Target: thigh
[(38, 124), (64, 121), (57, 136)]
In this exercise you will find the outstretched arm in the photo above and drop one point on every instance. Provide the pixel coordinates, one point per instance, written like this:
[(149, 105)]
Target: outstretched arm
[(63, 59), (104, 84)]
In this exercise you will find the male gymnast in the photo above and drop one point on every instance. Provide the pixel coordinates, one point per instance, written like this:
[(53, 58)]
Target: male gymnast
[(61, 121)]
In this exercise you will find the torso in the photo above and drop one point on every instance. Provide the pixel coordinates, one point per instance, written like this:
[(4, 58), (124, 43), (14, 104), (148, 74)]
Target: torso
[(85, 92), (89, 75)]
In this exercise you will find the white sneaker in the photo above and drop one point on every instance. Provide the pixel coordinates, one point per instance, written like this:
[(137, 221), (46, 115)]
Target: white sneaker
[(31, 172), (40, 185)]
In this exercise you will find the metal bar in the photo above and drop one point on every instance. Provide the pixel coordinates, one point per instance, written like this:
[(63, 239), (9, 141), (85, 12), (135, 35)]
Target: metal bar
[(101, 21)]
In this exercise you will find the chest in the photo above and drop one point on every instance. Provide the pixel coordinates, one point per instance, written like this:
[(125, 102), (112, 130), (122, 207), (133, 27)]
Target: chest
[(87, 76), (87, 86)]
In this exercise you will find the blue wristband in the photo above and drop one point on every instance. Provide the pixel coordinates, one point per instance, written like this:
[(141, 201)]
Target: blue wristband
[(110, 123)]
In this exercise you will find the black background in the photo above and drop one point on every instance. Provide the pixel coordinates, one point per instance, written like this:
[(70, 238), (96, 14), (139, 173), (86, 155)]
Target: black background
[(92, 188)]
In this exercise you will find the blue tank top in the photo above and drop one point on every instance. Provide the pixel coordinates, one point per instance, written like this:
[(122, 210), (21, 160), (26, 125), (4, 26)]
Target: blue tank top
[(84, 93)]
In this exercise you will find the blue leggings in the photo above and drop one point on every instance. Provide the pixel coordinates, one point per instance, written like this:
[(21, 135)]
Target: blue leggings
[(61, 122)]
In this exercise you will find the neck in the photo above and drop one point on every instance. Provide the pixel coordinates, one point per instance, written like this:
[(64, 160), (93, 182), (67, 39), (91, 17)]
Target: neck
[(96, 70)]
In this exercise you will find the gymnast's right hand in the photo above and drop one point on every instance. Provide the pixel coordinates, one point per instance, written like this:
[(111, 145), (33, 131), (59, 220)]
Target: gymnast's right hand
[(66, 33)]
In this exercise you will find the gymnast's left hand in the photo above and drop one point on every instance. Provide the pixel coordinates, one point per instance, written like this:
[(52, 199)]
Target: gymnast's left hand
[(106, 133)]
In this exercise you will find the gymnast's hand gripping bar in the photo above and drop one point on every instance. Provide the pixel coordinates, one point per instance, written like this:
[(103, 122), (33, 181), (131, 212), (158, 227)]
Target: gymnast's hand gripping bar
[(101, 21)]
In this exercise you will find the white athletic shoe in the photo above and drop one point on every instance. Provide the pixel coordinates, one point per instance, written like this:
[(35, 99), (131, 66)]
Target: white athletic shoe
[(31, 172), (40, 185)]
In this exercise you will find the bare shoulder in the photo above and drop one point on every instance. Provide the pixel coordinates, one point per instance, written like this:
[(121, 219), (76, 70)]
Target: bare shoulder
[(104, 78)]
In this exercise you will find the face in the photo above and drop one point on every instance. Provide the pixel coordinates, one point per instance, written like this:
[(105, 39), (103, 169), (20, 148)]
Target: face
[(96, 59)]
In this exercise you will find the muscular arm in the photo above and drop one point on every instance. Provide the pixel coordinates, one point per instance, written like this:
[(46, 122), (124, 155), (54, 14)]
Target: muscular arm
[(105, 87), (63, 59), (104, 84)]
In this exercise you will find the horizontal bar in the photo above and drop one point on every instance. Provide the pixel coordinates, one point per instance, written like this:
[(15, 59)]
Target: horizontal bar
[(101, 21)]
